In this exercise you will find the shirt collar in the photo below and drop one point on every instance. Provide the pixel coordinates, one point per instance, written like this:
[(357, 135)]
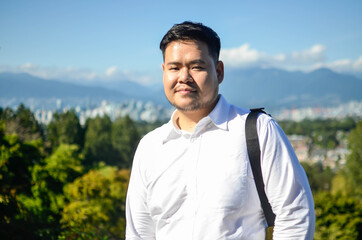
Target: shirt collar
[(218, 116)]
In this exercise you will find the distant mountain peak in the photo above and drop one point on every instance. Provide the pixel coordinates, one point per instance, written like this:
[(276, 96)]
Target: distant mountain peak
[(276, 88), (254, 87)]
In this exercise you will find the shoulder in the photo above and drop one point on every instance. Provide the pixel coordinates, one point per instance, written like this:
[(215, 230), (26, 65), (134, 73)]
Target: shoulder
[(149, 146), (270, 131), (265, 120), (264, 123), (157, 135), (241, 113), (238, 112), (268, 127)]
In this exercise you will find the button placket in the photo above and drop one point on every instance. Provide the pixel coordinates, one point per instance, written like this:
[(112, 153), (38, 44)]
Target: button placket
[(193, 161)]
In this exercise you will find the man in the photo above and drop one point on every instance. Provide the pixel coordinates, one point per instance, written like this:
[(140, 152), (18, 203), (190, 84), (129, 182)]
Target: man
[(191, 178)]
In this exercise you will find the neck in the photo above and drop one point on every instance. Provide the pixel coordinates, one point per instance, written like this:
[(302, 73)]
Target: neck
[(187, 120)]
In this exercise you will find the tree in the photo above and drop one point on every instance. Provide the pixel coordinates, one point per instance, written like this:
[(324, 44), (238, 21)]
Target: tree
[(353, 167), (339, 214), (96, 205), (42, 208), (319, 177), (337, 217), (50, 176), (125, 138), (16, 159), (23, 123), (322, 132), (65, 129), (7, 114), (98, 144)]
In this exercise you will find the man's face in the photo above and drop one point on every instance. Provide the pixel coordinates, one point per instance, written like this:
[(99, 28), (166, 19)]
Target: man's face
[(190, 76)]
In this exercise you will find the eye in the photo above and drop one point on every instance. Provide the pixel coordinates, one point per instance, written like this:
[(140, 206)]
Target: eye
[(173, 68), (198, 67)]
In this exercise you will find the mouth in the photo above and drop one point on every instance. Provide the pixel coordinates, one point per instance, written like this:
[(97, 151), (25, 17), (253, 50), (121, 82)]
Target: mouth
[(185, 90)]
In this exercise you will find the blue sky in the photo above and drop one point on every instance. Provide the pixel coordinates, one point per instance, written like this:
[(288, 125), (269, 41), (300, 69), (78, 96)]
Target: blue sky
[(114, 40)]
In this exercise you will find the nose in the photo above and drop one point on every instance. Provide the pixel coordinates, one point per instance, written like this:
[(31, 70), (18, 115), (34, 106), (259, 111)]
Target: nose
[(185, 75)]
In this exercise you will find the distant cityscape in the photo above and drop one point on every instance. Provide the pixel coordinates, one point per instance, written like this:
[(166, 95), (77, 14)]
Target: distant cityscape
[(351, 109), (332, 158), (136, 110), (151, 112)]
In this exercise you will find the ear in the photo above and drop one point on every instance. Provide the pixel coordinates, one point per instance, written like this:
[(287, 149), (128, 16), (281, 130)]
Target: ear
[(163, 66), (220, 71)]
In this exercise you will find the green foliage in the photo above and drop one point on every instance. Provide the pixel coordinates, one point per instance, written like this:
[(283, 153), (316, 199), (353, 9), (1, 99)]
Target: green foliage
[(112, 143), (49, 196), (339, 184), (322, 132), (65, 129), (65, 164), (96, 205), (125, 139), (319, 177), (16, 160), (337, 217), (32, 195), (45, 204), (50, 176), (22, 123), (145, 127), (339, 211), (353, 168), (98, 143)]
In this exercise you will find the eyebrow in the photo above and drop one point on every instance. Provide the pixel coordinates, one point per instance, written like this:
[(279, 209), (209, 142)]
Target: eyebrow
[(200, 61), (173, 63), (196, 61)]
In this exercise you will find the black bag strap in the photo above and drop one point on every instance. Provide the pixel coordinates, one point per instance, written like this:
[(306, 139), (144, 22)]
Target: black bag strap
[(252, 142)]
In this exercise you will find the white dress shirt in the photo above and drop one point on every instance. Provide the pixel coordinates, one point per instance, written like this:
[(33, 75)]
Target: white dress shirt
[(199, 186)]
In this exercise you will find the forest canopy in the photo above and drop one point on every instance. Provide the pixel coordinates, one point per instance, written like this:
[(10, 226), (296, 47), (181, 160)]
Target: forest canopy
[(68, 181)]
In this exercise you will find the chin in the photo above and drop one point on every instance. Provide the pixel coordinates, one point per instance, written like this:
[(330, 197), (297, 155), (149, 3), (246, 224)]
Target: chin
[(187, 107)]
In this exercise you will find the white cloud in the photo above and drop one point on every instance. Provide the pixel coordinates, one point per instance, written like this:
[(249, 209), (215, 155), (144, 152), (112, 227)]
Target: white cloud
[(111, 71), (28, 66), (51, 72), (357, 65), (80, 75), (344, 66), (114, 74), (308, 56), (241, 55), (245, 56), (305, 60)]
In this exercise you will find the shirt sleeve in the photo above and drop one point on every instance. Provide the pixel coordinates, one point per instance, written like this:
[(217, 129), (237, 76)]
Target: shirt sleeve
[(286, 185), (139, 224)]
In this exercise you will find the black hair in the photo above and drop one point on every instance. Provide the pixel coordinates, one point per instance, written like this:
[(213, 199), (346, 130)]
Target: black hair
[(194, 32)]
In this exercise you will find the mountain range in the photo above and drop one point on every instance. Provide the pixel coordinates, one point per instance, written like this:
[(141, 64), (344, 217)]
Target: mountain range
[(275, 88), (271, 88)]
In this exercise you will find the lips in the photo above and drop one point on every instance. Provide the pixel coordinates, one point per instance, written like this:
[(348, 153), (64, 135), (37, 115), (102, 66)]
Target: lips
[(185, 89)]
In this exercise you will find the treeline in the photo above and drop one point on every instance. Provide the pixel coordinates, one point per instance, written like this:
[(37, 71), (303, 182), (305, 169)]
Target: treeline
[(64, 180), (337, 192), (323, 133), (68, 181)]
